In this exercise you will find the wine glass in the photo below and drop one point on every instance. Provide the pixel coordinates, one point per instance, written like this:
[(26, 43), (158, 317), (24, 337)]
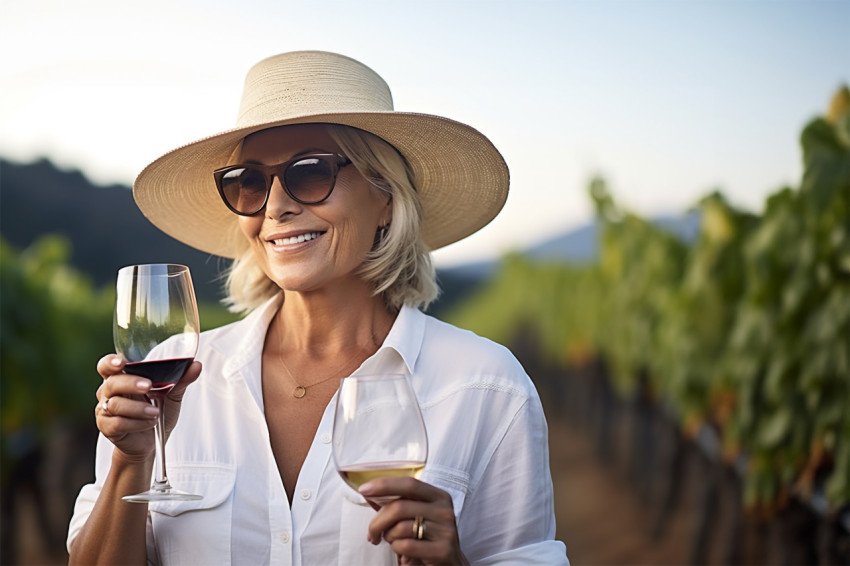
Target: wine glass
[(155, 329), (378, 430)]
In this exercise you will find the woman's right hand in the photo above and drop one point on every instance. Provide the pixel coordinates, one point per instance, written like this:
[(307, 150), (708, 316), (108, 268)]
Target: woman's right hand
[(128, 418)]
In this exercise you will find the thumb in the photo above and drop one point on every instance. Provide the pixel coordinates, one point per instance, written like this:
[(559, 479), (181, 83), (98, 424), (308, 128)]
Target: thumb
[(189, 376)]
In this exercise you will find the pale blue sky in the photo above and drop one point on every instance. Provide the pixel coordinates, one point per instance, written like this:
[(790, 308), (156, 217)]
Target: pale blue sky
[(666, 99)]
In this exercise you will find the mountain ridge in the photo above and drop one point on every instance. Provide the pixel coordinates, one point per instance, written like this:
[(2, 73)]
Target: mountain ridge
[(105, 228)]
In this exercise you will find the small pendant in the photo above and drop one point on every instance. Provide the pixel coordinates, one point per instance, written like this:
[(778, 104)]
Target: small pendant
[(299, 392)]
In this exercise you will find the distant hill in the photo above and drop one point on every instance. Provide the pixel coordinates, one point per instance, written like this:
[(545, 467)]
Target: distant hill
[(577, 246), (103, 224), (581, 245)]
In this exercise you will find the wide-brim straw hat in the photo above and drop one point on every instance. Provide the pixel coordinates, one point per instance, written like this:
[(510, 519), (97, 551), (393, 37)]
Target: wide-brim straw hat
[(460, 176)]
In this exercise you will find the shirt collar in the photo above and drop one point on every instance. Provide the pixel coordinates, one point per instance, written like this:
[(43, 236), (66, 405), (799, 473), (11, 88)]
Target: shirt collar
[(405, 336), (250, 348)]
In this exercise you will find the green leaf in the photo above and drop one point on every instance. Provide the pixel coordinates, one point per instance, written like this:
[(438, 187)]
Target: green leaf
[(774, 428)]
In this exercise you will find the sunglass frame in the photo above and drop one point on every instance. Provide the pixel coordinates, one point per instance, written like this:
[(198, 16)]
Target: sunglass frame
[(335, 160)]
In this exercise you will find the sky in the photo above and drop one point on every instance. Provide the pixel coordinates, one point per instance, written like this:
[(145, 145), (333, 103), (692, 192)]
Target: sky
[(667, 100)]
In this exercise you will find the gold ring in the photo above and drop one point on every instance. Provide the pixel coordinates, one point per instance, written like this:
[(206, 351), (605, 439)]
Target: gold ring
[(419, 527), (105, 406)]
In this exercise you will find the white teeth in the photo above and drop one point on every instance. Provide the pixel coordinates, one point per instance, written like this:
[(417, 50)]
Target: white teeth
[(296, 239)]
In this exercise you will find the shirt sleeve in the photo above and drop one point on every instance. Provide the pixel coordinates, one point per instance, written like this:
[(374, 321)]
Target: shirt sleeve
[(510, 512)]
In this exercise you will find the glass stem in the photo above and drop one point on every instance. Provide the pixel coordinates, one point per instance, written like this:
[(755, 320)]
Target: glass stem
[(161, 481)]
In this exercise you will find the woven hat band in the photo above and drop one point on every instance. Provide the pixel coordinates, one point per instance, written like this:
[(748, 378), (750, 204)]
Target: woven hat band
[(277, 89)]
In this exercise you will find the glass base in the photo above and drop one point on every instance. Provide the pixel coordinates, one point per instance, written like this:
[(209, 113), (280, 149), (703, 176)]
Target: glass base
[(165, 494)]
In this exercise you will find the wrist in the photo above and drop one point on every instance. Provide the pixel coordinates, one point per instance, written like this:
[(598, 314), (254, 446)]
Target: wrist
[(122, 459)]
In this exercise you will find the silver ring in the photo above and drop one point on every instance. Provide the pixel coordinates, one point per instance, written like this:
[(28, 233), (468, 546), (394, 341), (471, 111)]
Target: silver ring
[(105, 406)]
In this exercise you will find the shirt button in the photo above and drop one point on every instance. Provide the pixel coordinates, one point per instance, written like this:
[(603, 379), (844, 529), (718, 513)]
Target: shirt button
[(305, 494), (284, 537), (326, 437)]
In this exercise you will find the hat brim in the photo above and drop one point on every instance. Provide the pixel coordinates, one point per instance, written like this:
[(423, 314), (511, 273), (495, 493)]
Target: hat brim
[(461, 178)]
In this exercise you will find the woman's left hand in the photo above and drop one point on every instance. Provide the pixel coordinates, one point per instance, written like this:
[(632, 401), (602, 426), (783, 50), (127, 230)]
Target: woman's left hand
[(395, 521)]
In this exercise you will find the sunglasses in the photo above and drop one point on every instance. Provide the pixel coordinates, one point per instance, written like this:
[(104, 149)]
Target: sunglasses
[(307, 179)]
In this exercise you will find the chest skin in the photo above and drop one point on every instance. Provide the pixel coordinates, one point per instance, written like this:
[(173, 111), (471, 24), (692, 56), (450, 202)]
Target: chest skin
[(292, 422)]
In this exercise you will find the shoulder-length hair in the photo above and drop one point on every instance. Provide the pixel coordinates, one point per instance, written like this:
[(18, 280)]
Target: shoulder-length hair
[(398, 266)]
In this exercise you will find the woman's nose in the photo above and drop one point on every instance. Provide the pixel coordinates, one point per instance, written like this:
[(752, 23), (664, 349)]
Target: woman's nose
[(280, 203)]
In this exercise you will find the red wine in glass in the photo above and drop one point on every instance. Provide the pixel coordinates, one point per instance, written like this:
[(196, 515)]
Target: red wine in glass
[(156, 330), (164, 374)]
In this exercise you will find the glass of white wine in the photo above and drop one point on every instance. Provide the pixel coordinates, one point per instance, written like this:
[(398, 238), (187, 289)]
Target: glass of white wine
[(378, 430)]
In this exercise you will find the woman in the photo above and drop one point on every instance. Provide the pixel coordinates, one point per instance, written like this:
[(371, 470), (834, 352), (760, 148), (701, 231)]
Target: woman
[(329, 202)]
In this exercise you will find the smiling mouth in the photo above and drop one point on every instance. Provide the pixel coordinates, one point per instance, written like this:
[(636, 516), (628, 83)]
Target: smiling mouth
[(297, 239)]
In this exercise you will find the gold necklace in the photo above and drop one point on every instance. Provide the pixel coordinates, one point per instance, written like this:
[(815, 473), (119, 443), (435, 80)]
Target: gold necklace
[(301, 390)]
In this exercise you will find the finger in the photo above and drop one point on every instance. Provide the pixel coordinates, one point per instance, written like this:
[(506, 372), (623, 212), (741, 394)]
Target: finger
[(119, 406), (123, 384), (403, 487), (189, 377), (115, 428), (395, 520), (400, 530), (425, 551), (438, 545), (110, 364)]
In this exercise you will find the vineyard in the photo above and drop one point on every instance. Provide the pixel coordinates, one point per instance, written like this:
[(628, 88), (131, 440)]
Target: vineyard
[(54, 325), (721, 363), (740, 338)]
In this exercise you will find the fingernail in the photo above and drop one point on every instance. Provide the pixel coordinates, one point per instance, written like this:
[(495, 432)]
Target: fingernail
[(152, 411), (366, 489), (116, 361), (143, 384)]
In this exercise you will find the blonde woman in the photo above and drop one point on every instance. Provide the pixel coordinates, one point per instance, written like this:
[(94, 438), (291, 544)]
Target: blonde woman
[(329, 203)]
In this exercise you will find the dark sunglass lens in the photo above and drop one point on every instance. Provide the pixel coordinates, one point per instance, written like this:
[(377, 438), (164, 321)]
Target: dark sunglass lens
[(245, 189), (310, 179)]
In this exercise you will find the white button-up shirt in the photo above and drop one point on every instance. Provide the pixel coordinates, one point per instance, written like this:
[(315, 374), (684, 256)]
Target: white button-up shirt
[(487, 441)]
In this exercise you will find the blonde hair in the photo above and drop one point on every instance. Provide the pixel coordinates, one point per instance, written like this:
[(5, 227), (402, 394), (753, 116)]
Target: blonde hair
[(398, 266)]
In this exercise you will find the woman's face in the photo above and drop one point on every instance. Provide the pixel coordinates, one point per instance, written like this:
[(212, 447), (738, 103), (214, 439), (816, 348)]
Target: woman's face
[(342, 228)]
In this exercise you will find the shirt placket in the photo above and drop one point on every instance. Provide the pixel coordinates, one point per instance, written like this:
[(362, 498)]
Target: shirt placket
[(307, 488), (280, 520)]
